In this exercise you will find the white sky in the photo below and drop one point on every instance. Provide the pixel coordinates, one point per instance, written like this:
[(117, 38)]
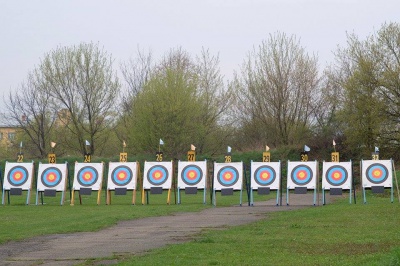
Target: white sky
[(230, 28)]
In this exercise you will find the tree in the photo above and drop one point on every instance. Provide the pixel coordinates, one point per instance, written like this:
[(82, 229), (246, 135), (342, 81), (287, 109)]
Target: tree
[(81, 81), (277, 88)]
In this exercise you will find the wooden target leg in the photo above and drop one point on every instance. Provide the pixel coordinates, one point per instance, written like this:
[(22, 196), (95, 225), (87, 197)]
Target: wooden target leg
[(98, 197), (108, 193), (134, 197), (142, 196), (72, 198), (169, 196)]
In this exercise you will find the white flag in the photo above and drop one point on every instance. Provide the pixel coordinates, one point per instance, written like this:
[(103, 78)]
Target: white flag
[(87, 143), (52, 144), (20, 144), (266, 148), (229, 149), (124, 144), (192, 147), (161, 142), (376, 149), (306, 148), (334, 143)]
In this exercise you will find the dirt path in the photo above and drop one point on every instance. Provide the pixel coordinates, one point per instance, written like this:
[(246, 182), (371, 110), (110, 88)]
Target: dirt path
[(136, 236)]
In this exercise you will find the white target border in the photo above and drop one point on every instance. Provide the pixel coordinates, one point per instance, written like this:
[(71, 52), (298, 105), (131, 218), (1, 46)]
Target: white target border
[(62, 167), (129, 186), (201, 164), (346, 165), (238, 166), (274, 165), (27, 185), (313, 182), (95, 186), (148, 165), (364, 166)]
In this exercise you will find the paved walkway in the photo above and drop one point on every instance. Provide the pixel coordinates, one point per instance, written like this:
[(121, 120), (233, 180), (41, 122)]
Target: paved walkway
[(136, 236)]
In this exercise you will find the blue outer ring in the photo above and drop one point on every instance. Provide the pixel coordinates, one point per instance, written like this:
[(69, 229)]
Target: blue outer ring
[(157, 168), (332, 181), (185, 171), (298, 168), (11, 174), (115, 172), (57, 173), (82, 181), (372, 167), (221, 173), (258, 178)]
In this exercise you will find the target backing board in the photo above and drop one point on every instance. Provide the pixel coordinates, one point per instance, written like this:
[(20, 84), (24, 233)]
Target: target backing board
[(302, 174), (265, 174), (228, 175), (88, 175), (51, 176), (122, 175), (336, 175), (157, 174), (192, 174), (376, 173), (18, 175)]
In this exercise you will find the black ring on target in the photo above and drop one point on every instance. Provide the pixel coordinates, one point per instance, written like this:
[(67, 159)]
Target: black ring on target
[(87, 176), (228, 176), (377, 173), (301, 175), (51, 177), (264, 175), (336, 175), (17, 176), (121, 175), (157, 175), (191, 175)]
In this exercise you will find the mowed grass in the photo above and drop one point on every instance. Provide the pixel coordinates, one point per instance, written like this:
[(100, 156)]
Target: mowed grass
[(335, 234)]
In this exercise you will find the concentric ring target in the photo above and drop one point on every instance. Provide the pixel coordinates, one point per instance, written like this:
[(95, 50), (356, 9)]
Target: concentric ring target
[(336, 175), (87, 176), (17, 176), (157, 175), (51, 177), (227, 176), (121, 175), (191, 175), (377, 173), (301, 175), (264, 175)]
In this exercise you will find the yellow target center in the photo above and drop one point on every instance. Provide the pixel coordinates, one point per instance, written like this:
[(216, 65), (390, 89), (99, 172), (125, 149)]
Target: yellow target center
[(302, 175), (87, 176), (17, 176), (157, 175), (376, 173), (228, 176), (191, 174), (336, 175), (52, 177), (264, 175), (121, 175)]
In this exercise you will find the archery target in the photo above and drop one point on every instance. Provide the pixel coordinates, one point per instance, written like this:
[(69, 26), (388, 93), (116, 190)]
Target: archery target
[(52, 176), (157, 174), (122, 175), (302, 174), (336, 175), (377, 172), (228, 175), (88, 175), (192, 174), (265, 174), (18, 175)]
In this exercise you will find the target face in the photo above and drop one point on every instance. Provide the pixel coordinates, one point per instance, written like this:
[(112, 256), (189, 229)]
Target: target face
[(121, 175), (336, 175), (17, 176), (377, 173), (301, 175), (87, 176), (51, 177), (157, 175), (191, 175), (264, 175), (227, 176)]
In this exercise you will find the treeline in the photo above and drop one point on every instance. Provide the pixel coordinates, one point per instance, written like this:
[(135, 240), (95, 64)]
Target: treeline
[(278, 97)]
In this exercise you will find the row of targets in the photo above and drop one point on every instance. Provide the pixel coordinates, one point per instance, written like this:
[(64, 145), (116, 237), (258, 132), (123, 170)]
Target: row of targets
[(265, 176)]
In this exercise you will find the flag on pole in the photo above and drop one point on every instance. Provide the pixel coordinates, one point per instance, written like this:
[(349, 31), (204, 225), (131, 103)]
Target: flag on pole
[(376, 149), (52, 144), (229, 149), (87, 143), (266, 148), (333, 143), (192, 147), (306, 148), (161, 142), (124, 144), (20, 144)]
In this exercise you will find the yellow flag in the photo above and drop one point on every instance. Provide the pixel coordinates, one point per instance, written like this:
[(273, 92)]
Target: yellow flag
[(52, 144), (266, 148), (124, 144)]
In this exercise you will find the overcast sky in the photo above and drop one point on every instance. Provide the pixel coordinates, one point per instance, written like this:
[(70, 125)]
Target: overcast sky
[(29, 29)]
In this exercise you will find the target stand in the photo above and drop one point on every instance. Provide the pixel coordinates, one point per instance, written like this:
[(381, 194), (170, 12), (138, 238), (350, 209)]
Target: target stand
[(52, 178), (18, 177), (122, 177), (377, 175), (192, 177), (265, 176), (157, 177), (301, 177), (336, 177), (88, 177), (228, 177)]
